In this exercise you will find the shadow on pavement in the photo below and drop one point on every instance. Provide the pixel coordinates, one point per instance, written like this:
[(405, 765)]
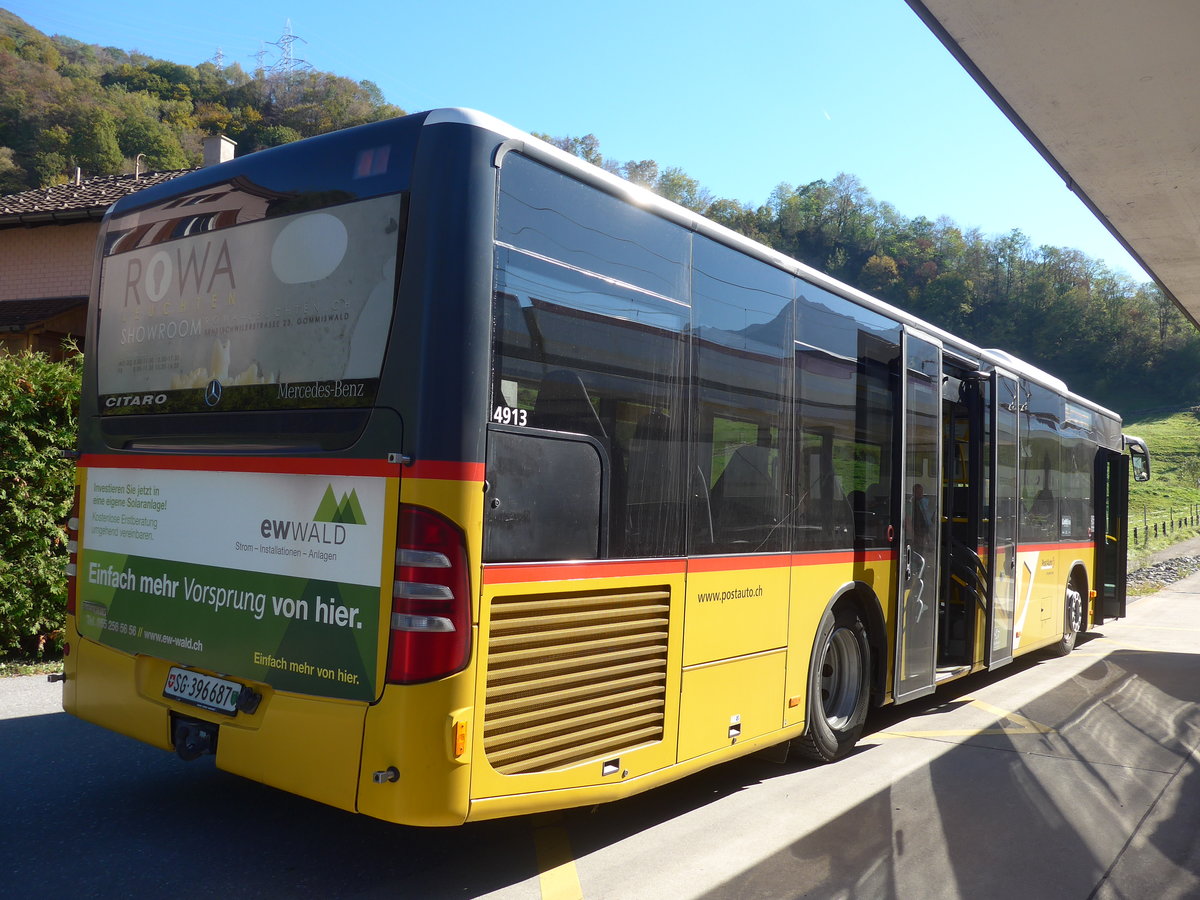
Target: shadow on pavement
[(1104, 807)]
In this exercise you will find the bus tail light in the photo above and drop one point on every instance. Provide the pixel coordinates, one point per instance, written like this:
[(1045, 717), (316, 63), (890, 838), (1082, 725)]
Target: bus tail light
[(431, 599), (72, 567)]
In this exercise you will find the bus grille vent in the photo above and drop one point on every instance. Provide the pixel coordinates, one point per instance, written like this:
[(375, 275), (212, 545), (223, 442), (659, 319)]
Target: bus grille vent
[(574, 677)]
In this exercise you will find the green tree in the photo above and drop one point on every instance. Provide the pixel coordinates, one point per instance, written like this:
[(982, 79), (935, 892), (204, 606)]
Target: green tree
[(148, 136), (262, 136), (949, 300), (135, 79), (93, 144), (679, 187), (644, 172), (879, 275), (12, 176), (38, 412)]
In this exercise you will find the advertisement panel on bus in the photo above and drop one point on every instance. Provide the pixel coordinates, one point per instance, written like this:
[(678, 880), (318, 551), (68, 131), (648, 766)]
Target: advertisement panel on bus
[(282, 586)]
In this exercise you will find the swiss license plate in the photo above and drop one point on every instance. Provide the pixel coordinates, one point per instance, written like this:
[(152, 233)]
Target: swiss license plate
[(204, 691)]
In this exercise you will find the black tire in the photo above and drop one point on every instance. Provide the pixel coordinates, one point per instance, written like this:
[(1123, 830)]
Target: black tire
[(1072, 619), (839, 686)]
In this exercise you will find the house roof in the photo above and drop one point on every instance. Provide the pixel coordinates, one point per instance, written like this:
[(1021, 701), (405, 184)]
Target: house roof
[(73, 202), (18, 315)]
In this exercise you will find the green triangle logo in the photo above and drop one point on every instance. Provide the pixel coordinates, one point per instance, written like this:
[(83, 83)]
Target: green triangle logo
[(328, 510), (349, 511)]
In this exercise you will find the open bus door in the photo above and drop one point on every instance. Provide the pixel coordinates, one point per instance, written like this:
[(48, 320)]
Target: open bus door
[(921, 517), (1003, 497), (1112, 523)]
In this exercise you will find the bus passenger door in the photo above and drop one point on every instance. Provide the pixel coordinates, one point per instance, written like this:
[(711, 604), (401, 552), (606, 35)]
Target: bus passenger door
[(921, 518), (1003, 497), (1110, 533)]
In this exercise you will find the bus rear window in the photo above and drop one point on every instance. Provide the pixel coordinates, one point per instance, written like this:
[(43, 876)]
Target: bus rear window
[(292, 311)]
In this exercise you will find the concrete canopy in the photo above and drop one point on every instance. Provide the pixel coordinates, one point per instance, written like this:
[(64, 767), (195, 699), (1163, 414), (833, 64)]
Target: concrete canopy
[(1108, 91)]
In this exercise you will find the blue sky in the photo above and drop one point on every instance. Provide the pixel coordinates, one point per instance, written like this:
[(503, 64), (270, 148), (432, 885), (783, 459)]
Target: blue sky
[(740, 96)]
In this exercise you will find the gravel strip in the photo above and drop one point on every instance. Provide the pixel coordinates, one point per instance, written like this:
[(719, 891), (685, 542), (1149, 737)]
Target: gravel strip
[(1165, 572)]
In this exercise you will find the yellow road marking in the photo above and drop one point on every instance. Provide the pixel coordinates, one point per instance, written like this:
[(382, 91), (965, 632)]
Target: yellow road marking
[(1157, 627), (1119, 644), (1021, 725), (1028, 726), (556, 864)]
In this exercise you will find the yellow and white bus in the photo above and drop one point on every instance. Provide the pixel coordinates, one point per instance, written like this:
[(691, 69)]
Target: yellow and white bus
[(431, 473)]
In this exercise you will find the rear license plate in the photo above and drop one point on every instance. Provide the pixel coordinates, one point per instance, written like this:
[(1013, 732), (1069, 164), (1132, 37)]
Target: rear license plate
[(204, 691)]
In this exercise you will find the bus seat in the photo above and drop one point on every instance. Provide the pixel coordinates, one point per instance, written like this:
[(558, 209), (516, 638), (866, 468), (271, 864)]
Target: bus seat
[(563, 405), (649, 457), (654, 495), (745, 497)]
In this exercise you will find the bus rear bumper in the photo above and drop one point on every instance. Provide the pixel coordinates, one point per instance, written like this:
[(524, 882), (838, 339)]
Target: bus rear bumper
[(308, 746), (102, 689)]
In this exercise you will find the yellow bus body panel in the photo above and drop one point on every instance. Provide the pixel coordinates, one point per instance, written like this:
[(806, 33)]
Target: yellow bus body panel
[(741, 633), (105, 693), (565, 798), (1042, 575), (815, 582), (635, 760), (411, 729), (730, 701), (306, 745), (733, 611)]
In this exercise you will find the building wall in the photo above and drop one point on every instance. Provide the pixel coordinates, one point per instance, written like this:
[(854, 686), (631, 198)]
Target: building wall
[(48, 342), (47, 261)]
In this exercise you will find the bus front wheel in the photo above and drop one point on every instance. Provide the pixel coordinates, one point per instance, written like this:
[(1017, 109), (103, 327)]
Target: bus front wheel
[(1073, 614), (839, 686)]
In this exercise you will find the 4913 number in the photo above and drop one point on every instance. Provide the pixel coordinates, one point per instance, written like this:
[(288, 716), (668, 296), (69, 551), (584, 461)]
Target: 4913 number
[(506, 415)]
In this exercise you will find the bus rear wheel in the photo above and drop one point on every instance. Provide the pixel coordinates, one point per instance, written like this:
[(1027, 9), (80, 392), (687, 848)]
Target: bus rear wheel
[(838, 687)]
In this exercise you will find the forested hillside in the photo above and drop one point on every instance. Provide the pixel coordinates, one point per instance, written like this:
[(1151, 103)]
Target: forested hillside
[(1112, 339), (65, 104)]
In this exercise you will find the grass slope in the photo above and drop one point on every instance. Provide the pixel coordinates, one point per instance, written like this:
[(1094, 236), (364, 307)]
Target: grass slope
[(1172, 492)]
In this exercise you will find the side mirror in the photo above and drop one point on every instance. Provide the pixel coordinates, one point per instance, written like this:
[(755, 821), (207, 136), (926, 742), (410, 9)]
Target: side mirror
[(1139, 457)]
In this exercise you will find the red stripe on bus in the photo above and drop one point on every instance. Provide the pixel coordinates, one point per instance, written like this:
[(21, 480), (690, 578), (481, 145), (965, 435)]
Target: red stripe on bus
[(739, 563), (444, 471), (503, 573), (828, 558), (288, 465), (1045, 548), (844, 557)]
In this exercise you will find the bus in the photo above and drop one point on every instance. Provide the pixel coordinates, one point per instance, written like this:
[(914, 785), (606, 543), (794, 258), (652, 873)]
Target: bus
[(431, 473)]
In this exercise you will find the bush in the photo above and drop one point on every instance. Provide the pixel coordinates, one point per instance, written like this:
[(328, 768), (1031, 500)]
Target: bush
[(39, 402)]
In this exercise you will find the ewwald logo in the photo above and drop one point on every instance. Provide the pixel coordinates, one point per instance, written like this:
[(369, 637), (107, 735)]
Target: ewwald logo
[(327, 525), (347, 511)]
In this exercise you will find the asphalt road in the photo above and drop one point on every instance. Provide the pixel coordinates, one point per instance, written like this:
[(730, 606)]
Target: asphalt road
[(1070, 778)]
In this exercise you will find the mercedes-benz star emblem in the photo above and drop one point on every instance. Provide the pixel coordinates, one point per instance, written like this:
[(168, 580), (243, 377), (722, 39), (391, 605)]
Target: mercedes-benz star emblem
[(212, 393)]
